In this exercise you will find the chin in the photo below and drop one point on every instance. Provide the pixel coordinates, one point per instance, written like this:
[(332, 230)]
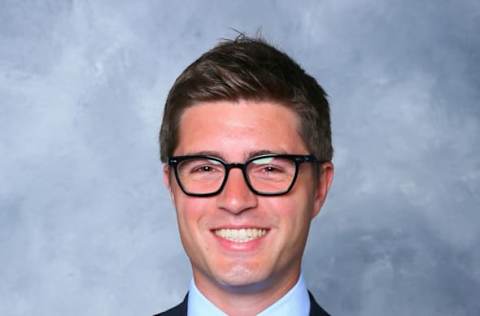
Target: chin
[(242, 278)]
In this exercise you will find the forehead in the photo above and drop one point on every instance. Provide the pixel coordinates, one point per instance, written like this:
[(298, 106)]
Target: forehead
[(236, 129)]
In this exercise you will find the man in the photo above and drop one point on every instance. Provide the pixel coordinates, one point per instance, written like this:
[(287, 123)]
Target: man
[(246, 143)]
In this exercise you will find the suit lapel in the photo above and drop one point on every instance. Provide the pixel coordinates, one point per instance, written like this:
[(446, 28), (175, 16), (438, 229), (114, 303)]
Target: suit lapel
[(179, 310), (315, 309)]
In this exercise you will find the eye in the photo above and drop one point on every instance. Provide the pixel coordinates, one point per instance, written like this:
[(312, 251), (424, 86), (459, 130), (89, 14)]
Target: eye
[(203, 169), (204, 166), (270, 169)]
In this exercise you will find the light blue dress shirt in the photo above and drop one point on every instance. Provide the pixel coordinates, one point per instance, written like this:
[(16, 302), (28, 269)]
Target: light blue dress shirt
[(295, 302)]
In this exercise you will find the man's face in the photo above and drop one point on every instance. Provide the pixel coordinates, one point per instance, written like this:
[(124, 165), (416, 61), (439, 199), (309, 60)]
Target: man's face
[(235, 132)]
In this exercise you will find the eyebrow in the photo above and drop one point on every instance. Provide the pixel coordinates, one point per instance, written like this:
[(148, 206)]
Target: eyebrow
[(247, 156), (206, 153), (264, 152)]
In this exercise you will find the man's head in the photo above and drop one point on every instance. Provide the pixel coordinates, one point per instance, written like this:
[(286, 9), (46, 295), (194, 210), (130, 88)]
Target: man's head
[(249, 69), (246, 139)]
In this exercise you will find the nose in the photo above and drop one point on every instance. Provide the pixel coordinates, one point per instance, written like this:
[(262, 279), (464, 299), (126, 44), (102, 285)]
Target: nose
[(236, 197)]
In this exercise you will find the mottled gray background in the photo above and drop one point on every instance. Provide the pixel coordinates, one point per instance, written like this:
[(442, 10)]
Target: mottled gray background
[(86, 226)]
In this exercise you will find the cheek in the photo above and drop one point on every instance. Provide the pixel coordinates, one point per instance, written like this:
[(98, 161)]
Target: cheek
[(189, 219), (191, 215), (294, 214)]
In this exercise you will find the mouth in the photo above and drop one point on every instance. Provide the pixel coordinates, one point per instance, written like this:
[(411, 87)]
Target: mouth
[(240, 235)]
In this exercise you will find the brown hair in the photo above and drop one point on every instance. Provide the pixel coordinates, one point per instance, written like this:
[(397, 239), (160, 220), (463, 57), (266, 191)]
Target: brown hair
[(249, 69)]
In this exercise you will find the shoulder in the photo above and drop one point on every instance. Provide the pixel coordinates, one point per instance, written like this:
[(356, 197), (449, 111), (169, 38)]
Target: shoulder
[(315, 309), (179, 310)]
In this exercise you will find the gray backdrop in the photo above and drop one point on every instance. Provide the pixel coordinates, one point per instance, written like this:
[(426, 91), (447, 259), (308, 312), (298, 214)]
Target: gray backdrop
[(86, 225)]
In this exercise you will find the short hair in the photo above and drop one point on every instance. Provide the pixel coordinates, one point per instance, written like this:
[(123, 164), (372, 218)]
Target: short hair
[(249, 69)]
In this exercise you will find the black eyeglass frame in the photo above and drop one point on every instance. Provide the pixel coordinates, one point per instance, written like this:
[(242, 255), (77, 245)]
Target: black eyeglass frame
[(297, 159)]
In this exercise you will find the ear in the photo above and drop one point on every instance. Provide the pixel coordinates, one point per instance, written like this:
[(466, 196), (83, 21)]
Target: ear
[(166, 176), (167, 179), (324, 181)]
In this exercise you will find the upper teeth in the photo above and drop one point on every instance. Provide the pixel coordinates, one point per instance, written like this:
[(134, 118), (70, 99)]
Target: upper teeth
[(240, 235)]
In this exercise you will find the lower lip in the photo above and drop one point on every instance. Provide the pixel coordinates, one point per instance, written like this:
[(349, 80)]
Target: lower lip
[(246, 246)]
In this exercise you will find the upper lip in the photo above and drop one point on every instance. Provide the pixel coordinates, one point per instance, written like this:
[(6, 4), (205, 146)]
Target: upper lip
[(239, 227)]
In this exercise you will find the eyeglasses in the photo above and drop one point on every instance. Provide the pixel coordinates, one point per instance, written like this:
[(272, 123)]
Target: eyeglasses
[(267, 175)]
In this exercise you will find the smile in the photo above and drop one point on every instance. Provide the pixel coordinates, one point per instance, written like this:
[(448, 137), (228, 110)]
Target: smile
[(240, 235)]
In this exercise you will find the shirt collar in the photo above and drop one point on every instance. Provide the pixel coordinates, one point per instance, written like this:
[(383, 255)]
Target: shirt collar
[(294, 302), (199, 305)]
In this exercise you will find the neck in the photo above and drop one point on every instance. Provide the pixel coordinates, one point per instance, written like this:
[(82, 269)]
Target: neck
[(246, 299)]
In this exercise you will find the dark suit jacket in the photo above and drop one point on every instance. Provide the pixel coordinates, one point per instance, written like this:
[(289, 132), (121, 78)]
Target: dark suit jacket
[(181, 309)]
